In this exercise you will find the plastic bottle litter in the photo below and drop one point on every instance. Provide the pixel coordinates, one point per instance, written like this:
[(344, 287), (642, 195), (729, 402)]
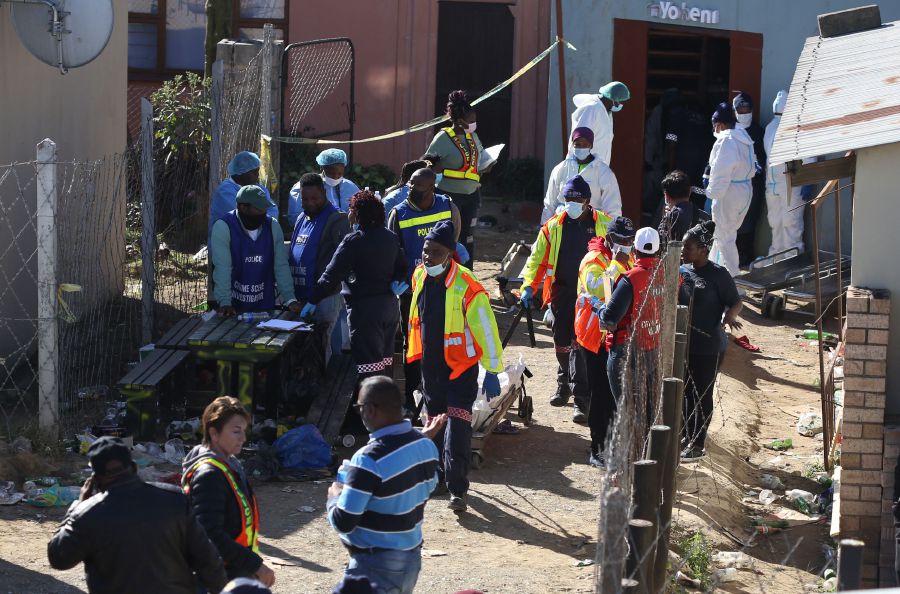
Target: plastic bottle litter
[(732, 559), (780, 444), (254, 316), (767, 530), (809, 424), (766, 496), (771, 482), (770, 522), (729, 574), (812, 334)]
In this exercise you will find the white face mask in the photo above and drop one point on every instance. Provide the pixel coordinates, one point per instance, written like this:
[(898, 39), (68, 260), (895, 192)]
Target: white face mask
[(625, 249), (720, 134), (581, 153), (574, 209), (616, 108), (435, 270), (333, 182), (744, 119), (471, 127)]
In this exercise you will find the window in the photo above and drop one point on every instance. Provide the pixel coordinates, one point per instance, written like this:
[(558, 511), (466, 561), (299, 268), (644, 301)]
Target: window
[(167, 36)]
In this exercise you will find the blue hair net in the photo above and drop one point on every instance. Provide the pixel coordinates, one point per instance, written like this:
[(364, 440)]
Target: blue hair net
[(243, 162), (331, 156)]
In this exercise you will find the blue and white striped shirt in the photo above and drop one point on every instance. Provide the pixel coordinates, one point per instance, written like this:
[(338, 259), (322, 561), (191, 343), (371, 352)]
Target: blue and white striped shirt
[(385, 490)]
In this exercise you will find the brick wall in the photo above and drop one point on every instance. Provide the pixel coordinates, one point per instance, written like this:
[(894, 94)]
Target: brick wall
[(866, 480)]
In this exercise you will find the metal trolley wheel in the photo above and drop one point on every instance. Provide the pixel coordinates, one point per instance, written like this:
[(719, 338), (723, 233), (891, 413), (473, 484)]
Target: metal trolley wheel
[(477, 459), (526, 407)]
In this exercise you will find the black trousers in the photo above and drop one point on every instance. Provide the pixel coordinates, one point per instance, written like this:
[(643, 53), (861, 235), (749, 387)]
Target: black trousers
[(468, 205), (412, 371), (603, 405), (698, 396), (454, 397), (373, 330), (570, 375)]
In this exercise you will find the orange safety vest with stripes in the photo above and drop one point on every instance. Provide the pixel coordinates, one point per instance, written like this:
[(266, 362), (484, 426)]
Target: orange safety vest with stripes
[(596, 267), (469, 169), (249, 534), (470, 329)]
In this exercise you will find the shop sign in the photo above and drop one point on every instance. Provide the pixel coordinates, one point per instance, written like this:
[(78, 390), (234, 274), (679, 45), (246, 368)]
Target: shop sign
[(672, 11)]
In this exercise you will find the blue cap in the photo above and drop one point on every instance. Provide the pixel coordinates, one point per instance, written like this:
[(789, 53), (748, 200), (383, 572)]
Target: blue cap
[(331, 156), (243, 162), (724, 114), (444, 234), (615, 91), (576, 188), (621, 226), (742, 100)]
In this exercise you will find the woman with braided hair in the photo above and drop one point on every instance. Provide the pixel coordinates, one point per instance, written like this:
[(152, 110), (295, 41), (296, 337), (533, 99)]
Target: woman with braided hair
[(370, 285), (463, 160), (716, 304)]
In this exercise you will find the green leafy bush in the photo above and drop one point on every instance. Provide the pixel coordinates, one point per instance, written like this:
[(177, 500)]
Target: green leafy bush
[(518, 180)]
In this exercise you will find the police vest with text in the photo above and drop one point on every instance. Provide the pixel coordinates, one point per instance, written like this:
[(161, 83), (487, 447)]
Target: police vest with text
[(416, 224)]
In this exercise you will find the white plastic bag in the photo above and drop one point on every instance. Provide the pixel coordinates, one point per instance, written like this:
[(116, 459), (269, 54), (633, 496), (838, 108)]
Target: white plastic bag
[(809, 424)]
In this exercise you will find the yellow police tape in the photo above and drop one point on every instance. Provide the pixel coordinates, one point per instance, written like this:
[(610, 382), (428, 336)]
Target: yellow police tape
[(433, 122)]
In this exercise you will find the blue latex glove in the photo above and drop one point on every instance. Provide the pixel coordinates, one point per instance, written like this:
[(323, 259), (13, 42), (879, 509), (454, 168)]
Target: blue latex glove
[(462, 253), (308, 310), (596, 303), (491, 385), (527, 295), (398, 288)]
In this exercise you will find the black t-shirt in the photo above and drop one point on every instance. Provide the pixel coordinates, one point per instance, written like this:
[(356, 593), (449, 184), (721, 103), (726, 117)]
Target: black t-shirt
[(713, 291), (693, 140), (575, 237), (679, 219)]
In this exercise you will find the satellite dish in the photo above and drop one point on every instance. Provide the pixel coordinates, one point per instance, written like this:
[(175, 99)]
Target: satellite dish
[(63, 33)]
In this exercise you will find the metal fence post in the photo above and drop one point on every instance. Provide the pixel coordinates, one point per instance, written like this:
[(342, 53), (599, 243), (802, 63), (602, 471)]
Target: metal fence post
[(48, 321), (148, 223), (265, 97), (215, 126), (849, 562)]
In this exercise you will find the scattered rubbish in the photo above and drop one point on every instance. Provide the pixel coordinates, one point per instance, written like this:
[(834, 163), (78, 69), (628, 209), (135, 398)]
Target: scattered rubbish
[(98, 392), (813, 334), (770, 481), (307, 509), (302, 448), (732, 559), (766, 496), (54, 496), (84, 442), (728, 574), (745, 343), (776, 462), (174, 451), (683, 578), (505, 427), (21, 445), (43, 481), (8, 494), (429, 553), (282, 562), (823, 478), (767, 530), (803, 501), (584, 563), (810, 424), (780, 444), (770, 521), (184, 430)]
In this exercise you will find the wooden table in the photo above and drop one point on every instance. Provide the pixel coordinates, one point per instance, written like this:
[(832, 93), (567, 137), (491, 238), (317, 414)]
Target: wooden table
[(238, 348)]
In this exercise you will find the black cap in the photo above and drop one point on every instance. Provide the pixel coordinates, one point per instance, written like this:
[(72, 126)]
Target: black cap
[(108, 449), (621, 226)]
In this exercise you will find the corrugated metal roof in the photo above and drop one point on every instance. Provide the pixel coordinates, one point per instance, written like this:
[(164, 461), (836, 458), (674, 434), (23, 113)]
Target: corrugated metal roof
[(845, 95)]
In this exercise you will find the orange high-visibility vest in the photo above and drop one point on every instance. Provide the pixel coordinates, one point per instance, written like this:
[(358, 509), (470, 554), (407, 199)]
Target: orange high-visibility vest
[(249, 534), (596, 264), (469, 169)]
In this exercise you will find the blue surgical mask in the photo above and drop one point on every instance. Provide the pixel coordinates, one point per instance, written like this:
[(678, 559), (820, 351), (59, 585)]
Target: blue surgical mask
[(438, 177), (435, 270), (354, 227), (581, 153), (574, 209), (616, 108)]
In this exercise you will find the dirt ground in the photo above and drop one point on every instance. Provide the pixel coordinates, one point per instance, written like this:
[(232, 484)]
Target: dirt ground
[(533, 507)]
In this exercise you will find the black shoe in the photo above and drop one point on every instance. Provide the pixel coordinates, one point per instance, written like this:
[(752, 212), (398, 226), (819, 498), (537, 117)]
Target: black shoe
[(693, 454), (561, 398), (458, 504), (597, 461), (579, 416), (440, 490)]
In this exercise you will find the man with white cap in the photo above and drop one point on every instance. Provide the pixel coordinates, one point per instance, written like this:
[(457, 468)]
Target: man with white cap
[(785, 207), (595, 112), (631, 314), (243, 170)]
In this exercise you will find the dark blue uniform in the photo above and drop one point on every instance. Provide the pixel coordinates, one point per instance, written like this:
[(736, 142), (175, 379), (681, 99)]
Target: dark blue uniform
[(253, 271), (366, 262), (454, 397)]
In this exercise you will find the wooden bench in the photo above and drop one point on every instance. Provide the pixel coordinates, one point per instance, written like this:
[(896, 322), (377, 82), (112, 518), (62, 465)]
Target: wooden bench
[(177, 336), (328, 410), (148, 390)]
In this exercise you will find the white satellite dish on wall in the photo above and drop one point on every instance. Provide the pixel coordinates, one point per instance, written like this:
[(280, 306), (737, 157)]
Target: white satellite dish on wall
[(63, 33)]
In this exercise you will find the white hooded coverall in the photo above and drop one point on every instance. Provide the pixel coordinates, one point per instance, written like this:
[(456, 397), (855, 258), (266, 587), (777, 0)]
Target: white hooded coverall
[(785, 210), (732, 165), (591, 113), (605, 194)]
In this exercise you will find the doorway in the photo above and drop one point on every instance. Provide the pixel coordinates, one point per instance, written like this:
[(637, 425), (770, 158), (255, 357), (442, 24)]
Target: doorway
[(474, 52), (705, 65)]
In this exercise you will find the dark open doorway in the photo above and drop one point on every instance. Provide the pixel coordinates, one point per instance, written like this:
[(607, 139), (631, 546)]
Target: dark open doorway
[(475, 52)]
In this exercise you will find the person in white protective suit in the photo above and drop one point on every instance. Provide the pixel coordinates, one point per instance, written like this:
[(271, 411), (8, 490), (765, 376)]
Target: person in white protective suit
[(786, 209), (595, 112), (732, 165), (582, 161)]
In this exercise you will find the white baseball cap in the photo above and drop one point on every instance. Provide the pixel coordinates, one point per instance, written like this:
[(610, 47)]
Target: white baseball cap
[(646, 240)]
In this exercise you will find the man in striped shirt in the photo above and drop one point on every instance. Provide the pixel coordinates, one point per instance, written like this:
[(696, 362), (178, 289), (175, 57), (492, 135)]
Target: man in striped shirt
[(378, 501)]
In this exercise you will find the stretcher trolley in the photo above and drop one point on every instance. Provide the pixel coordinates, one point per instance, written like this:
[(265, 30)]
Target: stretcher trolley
[(487, 415), (806, 291), (785, 270)]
